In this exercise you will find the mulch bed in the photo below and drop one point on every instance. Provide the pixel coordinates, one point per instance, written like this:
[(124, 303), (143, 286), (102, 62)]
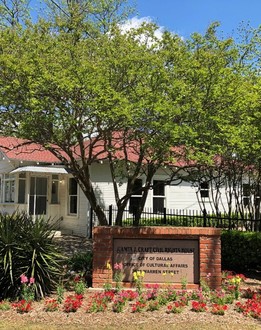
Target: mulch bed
[(159, 319)]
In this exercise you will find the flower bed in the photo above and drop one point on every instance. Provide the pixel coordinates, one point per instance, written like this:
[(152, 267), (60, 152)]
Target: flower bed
[(240, 303)]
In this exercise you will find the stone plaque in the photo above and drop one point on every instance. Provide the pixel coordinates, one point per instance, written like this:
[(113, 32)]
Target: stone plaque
[(163, 261)]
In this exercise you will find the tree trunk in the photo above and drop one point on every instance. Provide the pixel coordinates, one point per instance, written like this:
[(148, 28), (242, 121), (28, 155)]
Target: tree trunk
[(101, 216), (90, 195), (120, 212)]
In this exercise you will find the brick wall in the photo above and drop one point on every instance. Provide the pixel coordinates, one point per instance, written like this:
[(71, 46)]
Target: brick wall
[(209, 250)]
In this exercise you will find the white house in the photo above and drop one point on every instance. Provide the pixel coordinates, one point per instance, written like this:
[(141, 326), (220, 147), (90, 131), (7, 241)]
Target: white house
[(33, 180)]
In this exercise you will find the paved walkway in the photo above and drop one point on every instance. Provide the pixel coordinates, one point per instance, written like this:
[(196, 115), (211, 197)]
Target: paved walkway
[(71, 245)]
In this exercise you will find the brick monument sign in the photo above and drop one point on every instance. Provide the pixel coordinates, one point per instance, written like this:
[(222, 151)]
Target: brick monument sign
[(166, 255)]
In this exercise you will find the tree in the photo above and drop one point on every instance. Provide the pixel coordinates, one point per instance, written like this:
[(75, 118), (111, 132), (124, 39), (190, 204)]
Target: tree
[(71, 94), (13, 12), (86, 92), (87, 18)]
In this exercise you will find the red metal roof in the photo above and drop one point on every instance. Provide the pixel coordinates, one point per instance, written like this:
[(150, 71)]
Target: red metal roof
[(97, 149), (20, 149)]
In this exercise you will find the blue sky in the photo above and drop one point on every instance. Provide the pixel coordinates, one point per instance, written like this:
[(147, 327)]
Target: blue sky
[(187, 16)]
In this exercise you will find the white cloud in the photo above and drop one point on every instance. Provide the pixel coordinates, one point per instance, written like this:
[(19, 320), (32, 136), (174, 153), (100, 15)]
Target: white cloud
[(136, 22)]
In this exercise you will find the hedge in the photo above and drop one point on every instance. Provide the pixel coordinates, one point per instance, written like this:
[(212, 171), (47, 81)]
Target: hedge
[(241, 251)]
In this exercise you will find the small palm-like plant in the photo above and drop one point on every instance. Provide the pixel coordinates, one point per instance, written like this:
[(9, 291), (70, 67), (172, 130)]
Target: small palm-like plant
[(27, 247), (43, 253), (11, 255)]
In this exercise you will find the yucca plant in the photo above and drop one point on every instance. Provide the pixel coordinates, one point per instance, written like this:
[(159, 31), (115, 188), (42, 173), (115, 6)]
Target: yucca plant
[(11, 254), (46, 259), (27, 247)]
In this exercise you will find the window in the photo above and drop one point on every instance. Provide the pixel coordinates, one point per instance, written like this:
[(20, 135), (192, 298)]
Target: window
[(136, 195), (9, 188), (204, 190), (158, 196), (55, 189), (21, 188), (73, 197), (38, 195), (246, 194)]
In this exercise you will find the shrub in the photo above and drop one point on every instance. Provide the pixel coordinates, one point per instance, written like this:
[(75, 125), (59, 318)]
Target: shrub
[(27, 247), (81, 263), (240, 250)]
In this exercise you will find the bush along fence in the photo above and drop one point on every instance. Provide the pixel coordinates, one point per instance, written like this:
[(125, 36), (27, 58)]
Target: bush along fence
[(183, 218), (241, 251)]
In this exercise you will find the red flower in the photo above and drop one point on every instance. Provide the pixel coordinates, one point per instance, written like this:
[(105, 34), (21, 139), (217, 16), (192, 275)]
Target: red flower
[(72, 303), (198, 306), (138, 307), (51, 305), (219, 309), (252, 307), (23, 306)]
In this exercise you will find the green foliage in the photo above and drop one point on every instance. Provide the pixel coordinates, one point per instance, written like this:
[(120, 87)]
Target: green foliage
[(76, 75), (240, 250), (63, 88), (27, 291), (13, 12), (11, 267), (81, 264), (5, 305), (60, 290), (26, 247)]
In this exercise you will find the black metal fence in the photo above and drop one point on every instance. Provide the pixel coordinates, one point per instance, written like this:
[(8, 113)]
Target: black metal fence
[(183, 218)]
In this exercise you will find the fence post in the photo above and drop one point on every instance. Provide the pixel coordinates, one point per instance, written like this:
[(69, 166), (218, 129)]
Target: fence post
[(164, 216), (135, 217), (204, 218), (229, 221), (110, 215)]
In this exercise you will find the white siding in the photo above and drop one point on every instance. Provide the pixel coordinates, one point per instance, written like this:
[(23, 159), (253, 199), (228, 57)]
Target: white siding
[(73, 224), (6, 166), (177, 197), (182, 196)]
